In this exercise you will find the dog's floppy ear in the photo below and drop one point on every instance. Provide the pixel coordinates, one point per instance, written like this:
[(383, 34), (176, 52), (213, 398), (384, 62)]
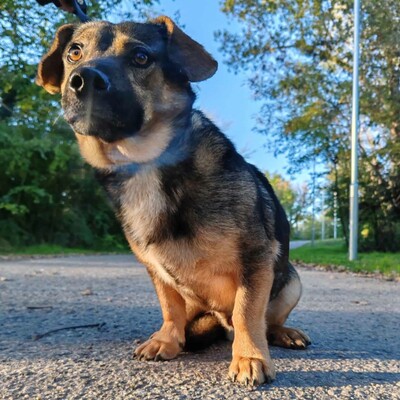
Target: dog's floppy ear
[(51, 68), (191, 56)]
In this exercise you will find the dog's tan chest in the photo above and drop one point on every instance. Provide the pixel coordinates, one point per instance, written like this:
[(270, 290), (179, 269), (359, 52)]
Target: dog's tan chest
[(142, 203), (142, 206)]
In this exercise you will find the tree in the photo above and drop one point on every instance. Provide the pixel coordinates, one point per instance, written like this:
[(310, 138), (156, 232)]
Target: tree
[(294, 200), (299, 57), (47, 193)]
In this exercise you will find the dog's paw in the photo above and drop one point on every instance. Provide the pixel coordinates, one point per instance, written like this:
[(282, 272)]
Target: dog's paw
[(162, 345), (157, 350), (290, 338), (251, 371)]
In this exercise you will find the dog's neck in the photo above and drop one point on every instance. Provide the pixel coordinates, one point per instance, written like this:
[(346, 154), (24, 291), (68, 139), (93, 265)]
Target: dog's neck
[(177, 150)]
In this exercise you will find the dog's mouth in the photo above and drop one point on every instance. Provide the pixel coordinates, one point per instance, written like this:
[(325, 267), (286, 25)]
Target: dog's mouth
[(101, 119), (107, 127)]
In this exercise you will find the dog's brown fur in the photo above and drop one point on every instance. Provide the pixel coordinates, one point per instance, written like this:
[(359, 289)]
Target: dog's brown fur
[(206, 224)]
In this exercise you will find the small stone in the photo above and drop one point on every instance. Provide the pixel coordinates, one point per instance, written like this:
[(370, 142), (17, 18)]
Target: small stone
[(87, 292), (360, 302)]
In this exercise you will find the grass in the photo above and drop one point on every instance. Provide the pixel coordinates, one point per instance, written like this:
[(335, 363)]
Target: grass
[(51, 249), (334, 252)]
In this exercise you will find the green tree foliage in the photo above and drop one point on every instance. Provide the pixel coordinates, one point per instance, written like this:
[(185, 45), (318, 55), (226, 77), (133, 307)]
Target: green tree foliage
[(299, 57), (294, 199), (47, 193)]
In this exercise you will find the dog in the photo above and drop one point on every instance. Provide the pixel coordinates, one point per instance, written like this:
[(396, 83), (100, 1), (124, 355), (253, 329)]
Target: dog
[(206, 224)]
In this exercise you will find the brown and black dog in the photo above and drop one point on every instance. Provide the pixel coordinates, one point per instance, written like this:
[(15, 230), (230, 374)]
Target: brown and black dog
[(206, 224)]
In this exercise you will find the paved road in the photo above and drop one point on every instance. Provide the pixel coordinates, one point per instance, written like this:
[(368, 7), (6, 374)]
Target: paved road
[(353, 321), (298, 243)]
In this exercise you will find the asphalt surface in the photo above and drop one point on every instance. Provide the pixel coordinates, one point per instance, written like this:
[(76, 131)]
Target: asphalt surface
[(298, 243), (353, 322)]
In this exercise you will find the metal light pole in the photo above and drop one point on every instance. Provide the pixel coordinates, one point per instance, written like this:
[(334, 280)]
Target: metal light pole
[(313, 204), (335, 215), (354, 136), (323, 216)]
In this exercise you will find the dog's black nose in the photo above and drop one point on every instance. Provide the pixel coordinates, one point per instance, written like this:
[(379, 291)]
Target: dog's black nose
[(85, 80)]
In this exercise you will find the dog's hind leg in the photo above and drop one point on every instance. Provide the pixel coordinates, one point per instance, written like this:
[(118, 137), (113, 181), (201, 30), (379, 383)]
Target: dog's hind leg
[(202, 331), (279, 309)]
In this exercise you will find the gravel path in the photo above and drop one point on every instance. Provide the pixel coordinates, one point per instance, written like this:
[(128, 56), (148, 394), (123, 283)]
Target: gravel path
[(353, 322)]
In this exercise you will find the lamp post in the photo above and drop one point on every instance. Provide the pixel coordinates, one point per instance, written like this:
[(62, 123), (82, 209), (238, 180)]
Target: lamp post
[(335, 215), (354, 135), (323, 215)]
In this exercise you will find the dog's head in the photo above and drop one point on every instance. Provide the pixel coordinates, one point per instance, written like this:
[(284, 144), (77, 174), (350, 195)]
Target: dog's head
[(124, 86)]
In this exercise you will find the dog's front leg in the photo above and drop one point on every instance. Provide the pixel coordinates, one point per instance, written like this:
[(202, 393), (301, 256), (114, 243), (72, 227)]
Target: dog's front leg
[(251, 363), (168, 342)]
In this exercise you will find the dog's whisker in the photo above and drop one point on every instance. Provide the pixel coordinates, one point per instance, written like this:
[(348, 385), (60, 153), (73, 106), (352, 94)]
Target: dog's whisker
[(60, 114)]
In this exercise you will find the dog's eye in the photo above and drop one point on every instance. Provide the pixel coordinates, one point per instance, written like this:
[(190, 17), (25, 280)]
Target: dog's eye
[(74, 53), (141, 57)]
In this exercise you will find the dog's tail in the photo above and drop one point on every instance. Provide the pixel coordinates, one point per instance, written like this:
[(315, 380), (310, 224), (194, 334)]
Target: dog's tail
[(203, 331)]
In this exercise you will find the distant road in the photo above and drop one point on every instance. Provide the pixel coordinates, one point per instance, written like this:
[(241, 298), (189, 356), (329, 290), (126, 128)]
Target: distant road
[(298, 243)]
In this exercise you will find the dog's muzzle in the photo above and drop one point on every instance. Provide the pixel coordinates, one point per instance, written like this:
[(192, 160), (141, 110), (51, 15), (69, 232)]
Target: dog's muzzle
[(100, 102)]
